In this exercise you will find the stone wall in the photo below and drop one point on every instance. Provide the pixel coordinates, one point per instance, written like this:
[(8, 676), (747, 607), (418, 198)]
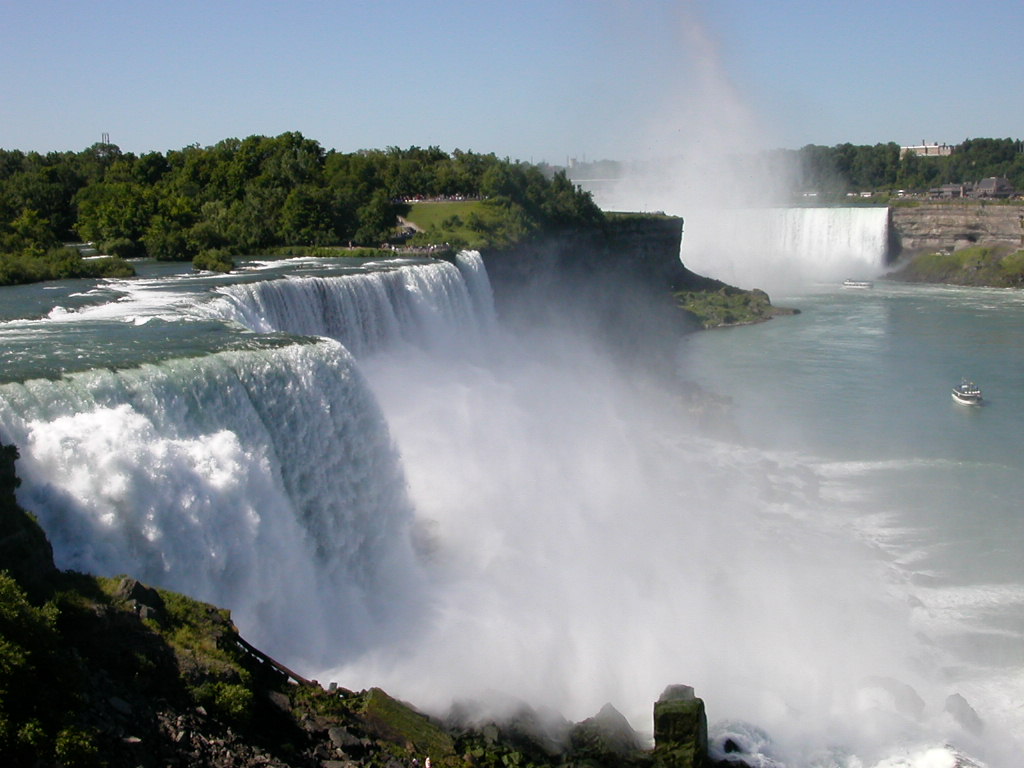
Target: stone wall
[(954, 225)]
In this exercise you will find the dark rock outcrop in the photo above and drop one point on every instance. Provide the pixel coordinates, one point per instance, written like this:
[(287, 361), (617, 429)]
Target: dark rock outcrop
[(680, 729), (964, 714), (616, 282), (642, 248), (606, 738), (24, 549)]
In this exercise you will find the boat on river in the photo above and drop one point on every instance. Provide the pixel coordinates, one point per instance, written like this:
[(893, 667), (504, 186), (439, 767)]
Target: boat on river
[(858, 284), (967, 393)]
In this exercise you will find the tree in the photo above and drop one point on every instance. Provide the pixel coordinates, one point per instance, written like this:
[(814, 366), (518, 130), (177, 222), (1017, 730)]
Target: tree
[(113, 211), (29, 233), (376, 219), (306, 216)]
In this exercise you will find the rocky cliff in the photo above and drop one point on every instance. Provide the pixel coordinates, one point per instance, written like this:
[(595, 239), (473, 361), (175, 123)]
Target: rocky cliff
[(955, 225), (644, 248), (617, 280)]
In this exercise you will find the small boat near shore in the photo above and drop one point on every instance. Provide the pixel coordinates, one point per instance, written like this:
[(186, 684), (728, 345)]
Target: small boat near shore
[(967, 393)]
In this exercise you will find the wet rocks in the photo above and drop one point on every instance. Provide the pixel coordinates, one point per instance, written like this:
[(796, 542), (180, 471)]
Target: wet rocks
[(680, 729)]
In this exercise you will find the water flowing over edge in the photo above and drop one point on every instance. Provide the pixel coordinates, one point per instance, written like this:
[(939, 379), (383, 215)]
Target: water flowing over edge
[(787, 249), (520, 514)]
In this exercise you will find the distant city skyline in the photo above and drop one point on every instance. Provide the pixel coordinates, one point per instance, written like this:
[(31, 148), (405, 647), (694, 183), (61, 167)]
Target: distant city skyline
[(531, 80)]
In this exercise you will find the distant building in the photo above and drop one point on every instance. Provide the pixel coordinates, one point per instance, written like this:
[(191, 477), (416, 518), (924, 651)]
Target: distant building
[(924, 149), (993, 186), (951, 191)]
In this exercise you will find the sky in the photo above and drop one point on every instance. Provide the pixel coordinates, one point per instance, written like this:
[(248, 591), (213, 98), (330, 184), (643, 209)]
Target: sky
[(533, 80)]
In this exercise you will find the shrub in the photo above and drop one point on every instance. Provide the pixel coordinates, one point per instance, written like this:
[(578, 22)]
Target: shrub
[(229, 701), (75, 748), (1013, 268), (214, 260), (122, 248)]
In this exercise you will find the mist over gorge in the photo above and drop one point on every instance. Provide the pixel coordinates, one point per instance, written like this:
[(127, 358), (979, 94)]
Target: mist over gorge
[(478, 504)]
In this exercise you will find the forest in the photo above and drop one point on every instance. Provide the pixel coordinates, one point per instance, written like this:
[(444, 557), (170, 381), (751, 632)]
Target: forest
[(247, 196), (879, 168)]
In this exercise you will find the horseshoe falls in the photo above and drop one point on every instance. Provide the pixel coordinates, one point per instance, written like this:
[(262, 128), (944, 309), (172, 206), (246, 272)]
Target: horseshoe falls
[(781, 249), (391, 483), (786, 249)]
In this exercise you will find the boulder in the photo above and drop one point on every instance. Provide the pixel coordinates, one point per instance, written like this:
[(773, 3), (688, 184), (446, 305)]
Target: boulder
[(604, 737), (145, 600), (24, 549), (680, 729), (964, 714)]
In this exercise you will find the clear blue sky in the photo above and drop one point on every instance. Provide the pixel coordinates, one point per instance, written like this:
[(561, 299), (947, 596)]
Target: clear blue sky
[(528, 79)]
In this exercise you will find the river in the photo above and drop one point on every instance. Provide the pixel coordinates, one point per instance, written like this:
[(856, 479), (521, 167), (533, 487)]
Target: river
[(389, 484)]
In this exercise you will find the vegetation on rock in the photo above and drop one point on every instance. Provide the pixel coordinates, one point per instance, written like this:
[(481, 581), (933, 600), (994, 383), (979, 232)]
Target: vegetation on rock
[(728, 306), (995, 266)]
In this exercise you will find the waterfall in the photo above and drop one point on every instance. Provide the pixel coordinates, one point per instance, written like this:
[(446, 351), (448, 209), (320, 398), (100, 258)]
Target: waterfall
[(423, 304), (786, 249), (260, 481), (388, 487)]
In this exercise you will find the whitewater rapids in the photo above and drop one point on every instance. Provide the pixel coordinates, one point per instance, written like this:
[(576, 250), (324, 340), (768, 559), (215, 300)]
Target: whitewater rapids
[(414, 493)]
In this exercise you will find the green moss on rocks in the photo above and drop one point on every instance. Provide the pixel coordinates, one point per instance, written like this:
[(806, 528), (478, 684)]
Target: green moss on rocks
[(680, 729), (995, 266), (729, 306)]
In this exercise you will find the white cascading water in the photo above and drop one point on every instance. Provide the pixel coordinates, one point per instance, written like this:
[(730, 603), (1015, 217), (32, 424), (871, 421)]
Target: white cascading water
[(215, 475), (786, 250), (474, 510), (421, 304), (779, 249), (257, 480)]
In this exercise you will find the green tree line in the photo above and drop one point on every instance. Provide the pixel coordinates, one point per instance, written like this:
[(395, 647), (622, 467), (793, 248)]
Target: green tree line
[(851, 168), (247, 196)]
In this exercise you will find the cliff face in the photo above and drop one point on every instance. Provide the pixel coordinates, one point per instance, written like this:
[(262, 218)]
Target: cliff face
[(951, 226), (644, 247), (617, 281)]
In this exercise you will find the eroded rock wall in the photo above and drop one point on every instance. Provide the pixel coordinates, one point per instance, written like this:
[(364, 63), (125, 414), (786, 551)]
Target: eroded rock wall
[(953, 225)]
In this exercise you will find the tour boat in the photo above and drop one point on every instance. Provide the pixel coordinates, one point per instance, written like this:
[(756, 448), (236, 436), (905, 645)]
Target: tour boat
[(967, 393), (858, 284)]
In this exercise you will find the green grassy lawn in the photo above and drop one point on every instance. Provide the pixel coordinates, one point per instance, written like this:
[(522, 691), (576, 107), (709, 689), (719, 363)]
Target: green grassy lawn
[(446, 221), (427, 214)]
